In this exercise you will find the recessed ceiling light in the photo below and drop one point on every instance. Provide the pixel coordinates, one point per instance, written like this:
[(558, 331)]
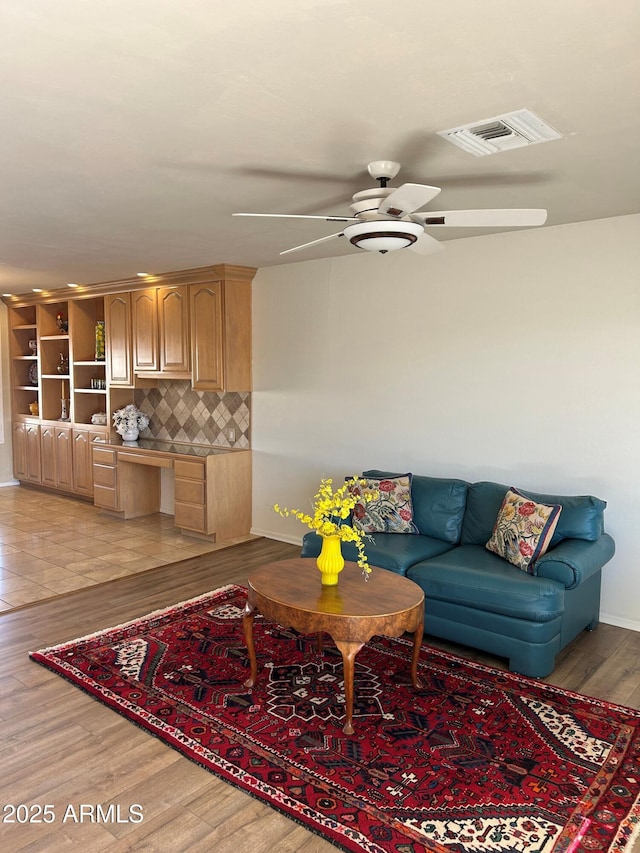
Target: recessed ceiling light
[(71, 284), (142, 274), (7, 294), (37, 290)]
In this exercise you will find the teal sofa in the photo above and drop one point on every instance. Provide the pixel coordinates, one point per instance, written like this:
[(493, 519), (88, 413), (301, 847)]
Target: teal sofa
[(477, 598)]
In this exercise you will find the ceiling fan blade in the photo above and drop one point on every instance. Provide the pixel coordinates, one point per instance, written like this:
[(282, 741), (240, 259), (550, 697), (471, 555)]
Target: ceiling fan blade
[(508, 218), (407, 198), (426, 245), (301, 216), (313, 243)]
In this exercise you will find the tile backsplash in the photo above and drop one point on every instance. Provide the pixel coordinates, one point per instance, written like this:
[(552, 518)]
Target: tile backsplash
[(178, 413)]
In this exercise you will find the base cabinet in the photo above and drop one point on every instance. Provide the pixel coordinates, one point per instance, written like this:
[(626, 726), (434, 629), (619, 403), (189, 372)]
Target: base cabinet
[(56, 457), (27, 458), (105, 479), (82, 463), (212, 493)]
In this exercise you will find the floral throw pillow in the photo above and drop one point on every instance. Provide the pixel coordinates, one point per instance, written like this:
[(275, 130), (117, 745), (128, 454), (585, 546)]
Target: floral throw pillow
[(523, 530), (392, 512)]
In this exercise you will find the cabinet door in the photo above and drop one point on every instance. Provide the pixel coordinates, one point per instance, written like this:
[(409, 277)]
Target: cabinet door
[(145, 330), (173, 329), (33, 452), (82, 463), (118, 338), (64, 458), (48, 450), (57, 467), (20, 451), (207, 336)]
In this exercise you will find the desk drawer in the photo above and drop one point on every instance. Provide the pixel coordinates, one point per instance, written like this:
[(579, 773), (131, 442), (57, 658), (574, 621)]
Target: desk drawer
[(104, 475), (105, 497), (190, 470), (189, 491), (103, 456), (190, 516)]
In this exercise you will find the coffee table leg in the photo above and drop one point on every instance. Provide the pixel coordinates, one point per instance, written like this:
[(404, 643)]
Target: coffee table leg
[(349, 651), (247, 624), (417, 645)]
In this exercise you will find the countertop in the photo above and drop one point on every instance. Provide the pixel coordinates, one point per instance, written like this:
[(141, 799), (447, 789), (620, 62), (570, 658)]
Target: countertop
[(173, 447)]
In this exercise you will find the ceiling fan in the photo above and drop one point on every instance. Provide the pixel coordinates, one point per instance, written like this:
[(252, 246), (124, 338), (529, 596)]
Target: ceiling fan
[(385, 219)]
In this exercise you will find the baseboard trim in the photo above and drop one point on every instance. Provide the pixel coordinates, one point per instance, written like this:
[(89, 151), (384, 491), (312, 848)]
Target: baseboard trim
[(620, 622), (279, 537), (10, 483)]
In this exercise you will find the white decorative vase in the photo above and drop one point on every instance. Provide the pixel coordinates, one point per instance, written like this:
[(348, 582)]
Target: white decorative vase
[(130, 435)]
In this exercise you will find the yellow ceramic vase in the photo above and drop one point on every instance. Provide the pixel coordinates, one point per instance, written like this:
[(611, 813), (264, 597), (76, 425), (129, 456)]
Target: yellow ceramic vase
[(330, 560)]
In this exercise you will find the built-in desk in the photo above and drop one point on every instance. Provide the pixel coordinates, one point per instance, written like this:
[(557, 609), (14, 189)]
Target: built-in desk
[(212, 484)]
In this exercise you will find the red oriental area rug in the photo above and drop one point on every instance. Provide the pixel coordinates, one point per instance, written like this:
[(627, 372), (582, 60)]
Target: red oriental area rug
[(477, 760)]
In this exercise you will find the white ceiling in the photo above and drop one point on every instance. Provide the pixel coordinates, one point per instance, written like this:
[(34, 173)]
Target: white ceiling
[(132, 130)]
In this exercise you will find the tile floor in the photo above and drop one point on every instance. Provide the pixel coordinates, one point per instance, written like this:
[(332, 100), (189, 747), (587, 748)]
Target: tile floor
[(50, 545)]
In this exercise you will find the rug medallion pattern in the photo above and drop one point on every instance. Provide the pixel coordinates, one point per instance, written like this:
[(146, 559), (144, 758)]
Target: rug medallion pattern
[(476, 760)]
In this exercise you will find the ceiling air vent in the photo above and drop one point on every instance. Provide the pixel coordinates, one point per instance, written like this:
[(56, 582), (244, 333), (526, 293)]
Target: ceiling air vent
[(501, 133)]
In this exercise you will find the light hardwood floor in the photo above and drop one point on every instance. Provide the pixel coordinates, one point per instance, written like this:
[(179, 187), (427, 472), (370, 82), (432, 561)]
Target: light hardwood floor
[(61, 747)]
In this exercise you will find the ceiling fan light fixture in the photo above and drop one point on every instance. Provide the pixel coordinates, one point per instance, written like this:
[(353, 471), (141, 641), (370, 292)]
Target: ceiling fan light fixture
[(383, 235)]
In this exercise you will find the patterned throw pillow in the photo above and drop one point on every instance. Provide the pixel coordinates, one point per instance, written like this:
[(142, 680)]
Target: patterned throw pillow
[(523, 530), (392, 512)]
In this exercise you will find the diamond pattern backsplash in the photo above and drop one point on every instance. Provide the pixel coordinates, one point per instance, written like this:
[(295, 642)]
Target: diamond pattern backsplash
[(178, 413)]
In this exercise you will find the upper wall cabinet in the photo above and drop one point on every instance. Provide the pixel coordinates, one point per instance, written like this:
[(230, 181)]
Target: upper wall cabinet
[(221, 335), (160, 322), (118, 338)]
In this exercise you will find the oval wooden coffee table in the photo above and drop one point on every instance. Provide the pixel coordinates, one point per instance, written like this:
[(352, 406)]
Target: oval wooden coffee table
[(289, 592)]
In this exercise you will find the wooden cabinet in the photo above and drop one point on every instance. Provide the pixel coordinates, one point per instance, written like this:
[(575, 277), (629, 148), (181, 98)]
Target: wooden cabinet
[(221, 335), (56, 457), (118, 339), (194, 324), (173, 330), (26, 452), (83, 443), (212, 492), (213, 495), (190, 495), (105, 478), (160, 318)]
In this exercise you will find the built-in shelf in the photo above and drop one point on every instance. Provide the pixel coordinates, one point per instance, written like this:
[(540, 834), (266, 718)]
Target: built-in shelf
[(90, 391)]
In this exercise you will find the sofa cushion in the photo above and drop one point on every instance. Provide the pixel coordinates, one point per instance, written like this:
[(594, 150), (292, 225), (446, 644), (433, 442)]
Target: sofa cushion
[(472, 576), (582, 516), (384, 550), (438, 504), (523, 530), (391, 511)]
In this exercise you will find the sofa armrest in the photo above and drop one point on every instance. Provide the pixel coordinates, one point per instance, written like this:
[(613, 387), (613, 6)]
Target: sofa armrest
[(574, 560)]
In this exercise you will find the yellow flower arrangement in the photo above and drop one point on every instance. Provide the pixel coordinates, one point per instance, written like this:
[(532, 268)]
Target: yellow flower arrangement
[(331, 511)]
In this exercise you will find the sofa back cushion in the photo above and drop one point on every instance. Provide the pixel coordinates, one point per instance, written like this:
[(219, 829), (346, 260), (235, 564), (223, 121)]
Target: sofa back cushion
[(438, 505), (582, 516)]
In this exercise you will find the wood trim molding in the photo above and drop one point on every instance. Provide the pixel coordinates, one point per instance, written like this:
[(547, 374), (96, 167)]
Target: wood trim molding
[(216, 272)]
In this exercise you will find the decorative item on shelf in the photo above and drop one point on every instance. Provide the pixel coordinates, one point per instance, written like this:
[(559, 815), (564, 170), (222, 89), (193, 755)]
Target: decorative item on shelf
[(33, 346), (129, 421), (100, 340), (99, 419), (33, 373), (63, 365), (331, 520), (34, 409), (62, 324), (64, 410)]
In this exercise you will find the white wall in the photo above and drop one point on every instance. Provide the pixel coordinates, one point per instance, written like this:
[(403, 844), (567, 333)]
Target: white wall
[(512, 357)]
